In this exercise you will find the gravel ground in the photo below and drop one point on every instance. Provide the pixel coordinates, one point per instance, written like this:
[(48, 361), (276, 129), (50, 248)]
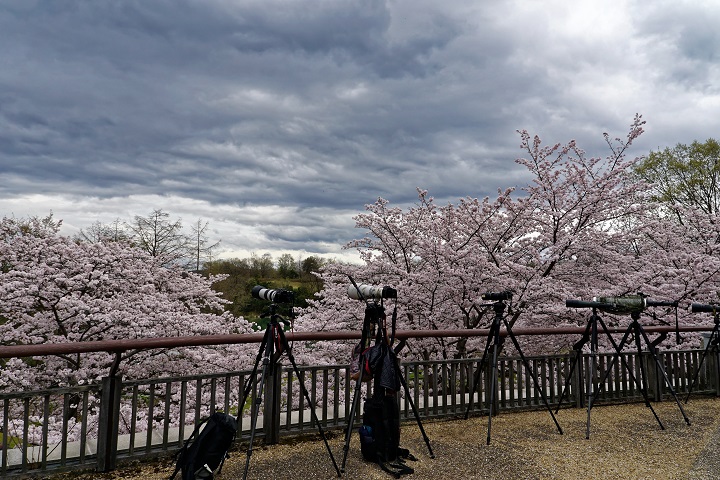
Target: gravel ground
[(625, 442)]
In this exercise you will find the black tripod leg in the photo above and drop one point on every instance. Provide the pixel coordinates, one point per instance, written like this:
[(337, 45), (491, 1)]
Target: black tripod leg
[(712, 341), (413, 407), (643, 371), (660, 368), (250, 381), (532, 375), (286, 348), (493, 380), (591, 377), (616, 355), (267, 347), (351, 418), (577, 348), (476, 377), (635, 380)]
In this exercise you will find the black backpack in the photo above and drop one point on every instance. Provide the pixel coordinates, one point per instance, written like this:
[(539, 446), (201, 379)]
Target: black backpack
[(204, 452), (380, 431)]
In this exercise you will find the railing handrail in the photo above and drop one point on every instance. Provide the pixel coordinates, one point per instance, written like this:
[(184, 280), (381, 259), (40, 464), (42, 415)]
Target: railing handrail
[(117, 346)]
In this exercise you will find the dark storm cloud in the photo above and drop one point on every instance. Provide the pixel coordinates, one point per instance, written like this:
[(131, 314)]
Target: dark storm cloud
[(284, 118)]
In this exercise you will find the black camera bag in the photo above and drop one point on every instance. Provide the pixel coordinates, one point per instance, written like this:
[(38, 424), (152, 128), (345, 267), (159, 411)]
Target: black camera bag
[(380, 431), (204, 452)]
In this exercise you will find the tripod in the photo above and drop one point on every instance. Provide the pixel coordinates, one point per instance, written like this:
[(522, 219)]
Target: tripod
[(497, 341), (636, 329), (714, 343), (374, 313), (592, 389), (275, 338)]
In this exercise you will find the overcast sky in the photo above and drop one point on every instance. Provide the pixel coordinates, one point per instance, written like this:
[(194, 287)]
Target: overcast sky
[(278, 121)]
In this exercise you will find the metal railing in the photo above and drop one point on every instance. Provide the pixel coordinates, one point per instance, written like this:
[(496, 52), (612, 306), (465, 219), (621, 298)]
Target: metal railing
[(95, 426)]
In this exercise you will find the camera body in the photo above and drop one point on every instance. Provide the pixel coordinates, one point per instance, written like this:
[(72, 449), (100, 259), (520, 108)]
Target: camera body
[(497, 296), (275, 295)]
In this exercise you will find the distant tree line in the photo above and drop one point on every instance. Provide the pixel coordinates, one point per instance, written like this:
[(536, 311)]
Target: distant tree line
[(161, 236), (287, 273)]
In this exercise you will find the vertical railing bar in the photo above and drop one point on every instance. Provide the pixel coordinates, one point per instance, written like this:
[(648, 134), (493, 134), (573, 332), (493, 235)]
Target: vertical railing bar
[(301, 400), (463, 387), (324, 398), (198, 402), (183, 412), (84, 425), (453, 386), (625, 382), (290, 396), (313, 394), (336, 396), (151, 419), (166, 422), (520, 376), (435, 388), (530, 393), (45, 427), (348, 395), (552, 380), (543, 380), (502, 367), (66, 419), (26, 430), (512, 382), (4, 444), (426, 388), (405, 406), (133, 418), (241, 408), (213, 388), (444, 387), (228, 383)]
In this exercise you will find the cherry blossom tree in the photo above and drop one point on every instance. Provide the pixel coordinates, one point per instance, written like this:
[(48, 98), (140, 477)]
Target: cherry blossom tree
[(583, 227), (55, 289)]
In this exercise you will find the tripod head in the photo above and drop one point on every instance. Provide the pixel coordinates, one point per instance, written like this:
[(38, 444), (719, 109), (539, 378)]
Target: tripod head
[(374, 310), (272, 314), (498, 300)]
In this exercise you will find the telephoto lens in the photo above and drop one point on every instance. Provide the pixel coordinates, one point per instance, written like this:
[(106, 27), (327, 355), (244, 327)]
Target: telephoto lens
[(368, 292), (274, 295)]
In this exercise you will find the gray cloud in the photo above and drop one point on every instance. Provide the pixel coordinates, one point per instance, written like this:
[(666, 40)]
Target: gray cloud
[(223, 109)]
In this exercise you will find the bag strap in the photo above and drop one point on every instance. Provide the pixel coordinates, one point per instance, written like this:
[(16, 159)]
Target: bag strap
[(395, 469), (185, 447)]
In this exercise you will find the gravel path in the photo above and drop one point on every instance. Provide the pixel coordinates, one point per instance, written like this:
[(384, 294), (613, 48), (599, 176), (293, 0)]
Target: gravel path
[(625, 442)]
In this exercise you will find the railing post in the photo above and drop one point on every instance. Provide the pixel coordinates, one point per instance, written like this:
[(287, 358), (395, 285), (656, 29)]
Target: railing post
[(577, 380), (108, 423), (712, 361), (654, 389), (271, 407), (489, 374)]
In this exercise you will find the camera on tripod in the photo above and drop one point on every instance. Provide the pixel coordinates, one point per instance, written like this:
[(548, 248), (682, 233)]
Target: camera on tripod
[(497, 296), (620, 305), (368, 292), (275, 295)]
